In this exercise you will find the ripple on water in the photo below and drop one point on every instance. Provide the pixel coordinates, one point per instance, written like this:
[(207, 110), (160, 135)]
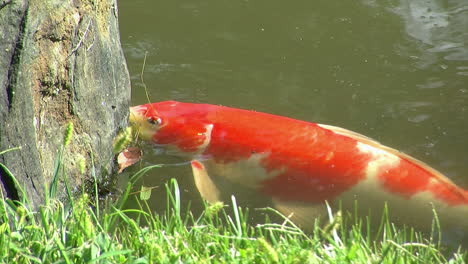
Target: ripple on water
[(431, 83), (438, 28)]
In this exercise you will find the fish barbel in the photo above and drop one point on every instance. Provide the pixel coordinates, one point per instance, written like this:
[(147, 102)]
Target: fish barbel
[(299, 165)]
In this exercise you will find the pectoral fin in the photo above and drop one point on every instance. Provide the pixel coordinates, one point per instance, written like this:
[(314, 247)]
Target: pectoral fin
[(301, 213), (204, 183)]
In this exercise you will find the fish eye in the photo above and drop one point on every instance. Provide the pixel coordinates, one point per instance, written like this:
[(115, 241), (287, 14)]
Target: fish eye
[(156, 121)]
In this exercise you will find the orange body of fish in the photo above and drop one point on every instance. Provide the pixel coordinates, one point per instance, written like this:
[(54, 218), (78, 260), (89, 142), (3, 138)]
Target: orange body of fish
[(299, 165)]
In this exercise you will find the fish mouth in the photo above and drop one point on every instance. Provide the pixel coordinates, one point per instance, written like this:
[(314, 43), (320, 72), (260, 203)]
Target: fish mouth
[(139, 123)]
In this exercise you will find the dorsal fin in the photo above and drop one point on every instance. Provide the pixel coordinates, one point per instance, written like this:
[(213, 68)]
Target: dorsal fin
[(366, 140)]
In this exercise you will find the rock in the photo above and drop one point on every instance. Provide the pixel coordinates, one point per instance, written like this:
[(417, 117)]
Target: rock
[(64, 63)]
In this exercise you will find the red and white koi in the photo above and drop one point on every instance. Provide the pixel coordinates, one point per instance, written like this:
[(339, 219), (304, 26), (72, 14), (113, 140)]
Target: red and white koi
[(299, 165)]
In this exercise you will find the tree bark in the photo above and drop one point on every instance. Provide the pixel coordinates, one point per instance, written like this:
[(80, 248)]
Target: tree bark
[(60, 62)]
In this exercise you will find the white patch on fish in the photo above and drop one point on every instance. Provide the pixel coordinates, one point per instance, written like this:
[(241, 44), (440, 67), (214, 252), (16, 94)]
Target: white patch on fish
[(248, 172), (381, 159), (173, 150), (206, 142)]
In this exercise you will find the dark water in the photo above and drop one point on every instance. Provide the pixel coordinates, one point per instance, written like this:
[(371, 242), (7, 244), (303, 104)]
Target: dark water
[(397, 72)]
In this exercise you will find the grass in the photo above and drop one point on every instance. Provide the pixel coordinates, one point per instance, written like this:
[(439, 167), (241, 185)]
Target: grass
[(77, 233)]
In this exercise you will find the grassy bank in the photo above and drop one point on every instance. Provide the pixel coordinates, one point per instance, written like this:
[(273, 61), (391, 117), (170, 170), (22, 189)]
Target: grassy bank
[(87, 231)]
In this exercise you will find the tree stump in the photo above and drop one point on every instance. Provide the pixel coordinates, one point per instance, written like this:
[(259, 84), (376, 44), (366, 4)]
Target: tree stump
[(61, 61)]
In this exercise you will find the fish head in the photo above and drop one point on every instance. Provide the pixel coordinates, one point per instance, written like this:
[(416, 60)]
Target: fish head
[(172, 124), (145, 120)]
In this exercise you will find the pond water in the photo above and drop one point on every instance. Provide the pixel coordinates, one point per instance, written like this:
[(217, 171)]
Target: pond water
[(397, 72)]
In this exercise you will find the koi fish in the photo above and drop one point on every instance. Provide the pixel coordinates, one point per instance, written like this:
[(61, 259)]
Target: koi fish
[(299, 165)]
